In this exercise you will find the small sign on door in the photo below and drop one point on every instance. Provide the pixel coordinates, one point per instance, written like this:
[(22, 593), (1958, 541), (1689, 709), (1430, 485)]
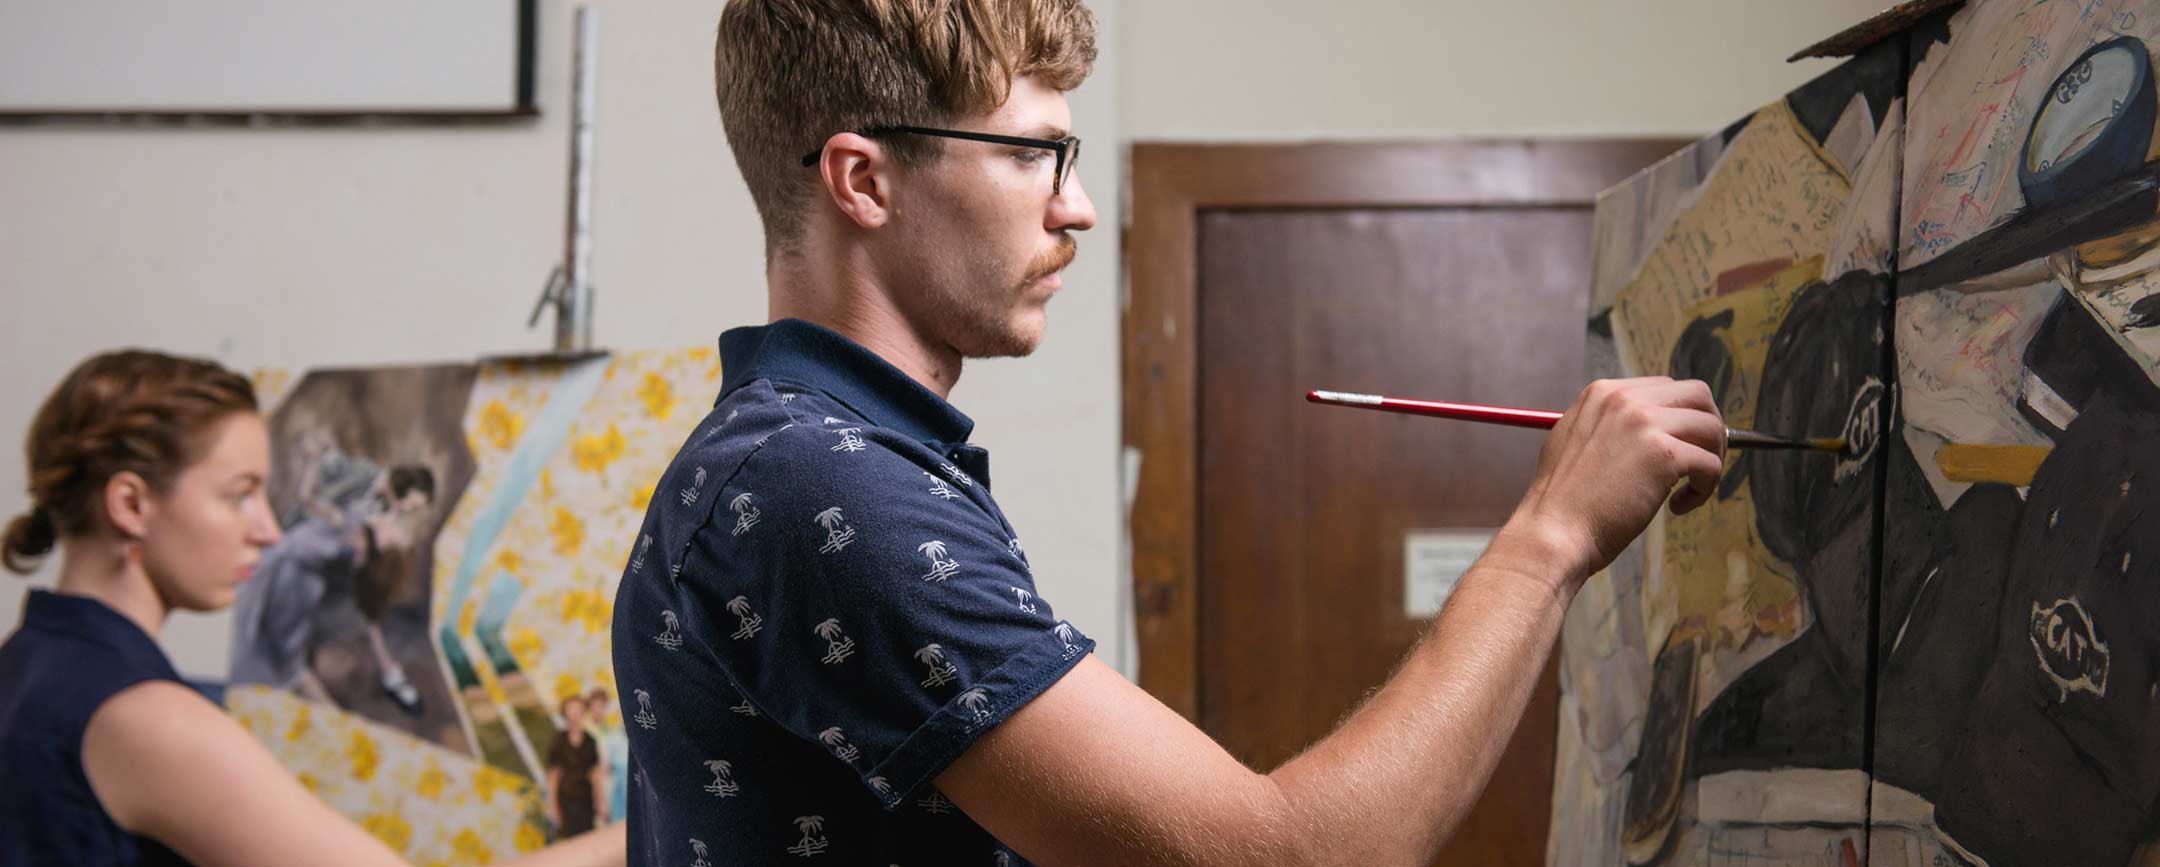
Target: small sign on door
[(1433, 560)]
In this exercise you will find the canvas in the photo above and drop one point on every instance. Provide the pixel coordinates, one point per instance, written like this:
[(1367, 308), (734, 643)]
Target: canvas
[(2022, 513), (1725, 652), (541, 472), (1937, 649)]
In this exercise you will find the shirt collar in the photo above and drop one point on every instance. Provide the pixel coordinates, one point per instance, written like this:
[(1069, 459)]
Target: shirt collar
[(801, 352), (78, 615)]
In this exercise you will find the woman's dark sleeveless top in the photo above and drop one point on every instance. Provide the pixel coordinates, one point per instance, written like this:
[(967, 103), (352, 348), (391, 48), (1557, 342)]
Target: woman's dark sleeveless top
[(70, 654)]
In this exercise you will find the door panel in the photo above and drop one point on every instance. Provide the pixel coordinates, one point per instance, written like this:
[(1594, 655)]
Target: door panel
[(1303, 508)]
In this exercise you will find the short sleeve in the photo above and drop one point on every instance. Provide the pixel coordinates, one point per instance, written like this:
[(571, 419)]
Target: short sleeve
[(867, 596)]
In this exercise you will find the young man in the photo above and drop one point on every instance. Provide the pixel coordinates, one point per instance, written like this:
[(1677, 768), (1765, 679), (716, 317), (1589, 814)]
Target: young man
[(827, 627)]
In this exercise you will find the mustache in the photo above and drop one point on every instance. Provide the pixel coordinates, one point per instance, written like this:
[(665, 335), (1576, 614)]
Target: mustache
[(1053, 261)]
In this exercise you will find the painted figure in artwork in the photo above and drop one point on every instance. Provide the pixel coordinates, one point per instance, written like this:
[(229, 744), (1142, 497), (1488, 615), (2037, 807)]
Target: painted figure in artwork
[(576, 776), (614, 752), (350, 548)]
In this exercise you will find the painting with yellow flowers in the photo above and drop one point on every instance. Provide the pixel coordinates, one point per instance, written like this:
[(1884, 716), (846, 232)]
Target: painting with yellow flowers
[(540, 472)]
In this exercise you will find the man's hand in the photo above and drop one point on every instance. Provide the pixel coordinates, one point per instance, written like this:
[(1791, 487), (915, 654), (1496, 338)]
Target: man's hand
[(1616, 456)]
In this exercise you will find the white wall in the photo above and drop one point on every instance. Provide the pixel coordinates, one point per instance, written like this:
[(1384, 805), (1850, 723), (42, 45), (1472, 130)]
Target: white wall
[(1270, 69), (296, 247), (292, 247)]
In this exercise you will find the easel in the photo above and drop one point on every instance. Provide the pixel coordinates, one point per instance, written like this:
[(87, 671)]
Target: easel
[(569, 287)]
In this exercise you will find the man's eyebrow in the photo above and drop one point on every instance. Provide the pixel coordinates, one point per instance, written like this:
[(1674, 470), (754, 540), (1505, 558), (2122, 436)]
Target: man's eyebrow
[(1049, 131)]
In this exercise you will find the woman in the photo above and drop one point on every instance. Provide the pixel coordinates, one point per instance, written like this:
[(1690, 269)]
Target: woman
[(148, 473), (575, 774)]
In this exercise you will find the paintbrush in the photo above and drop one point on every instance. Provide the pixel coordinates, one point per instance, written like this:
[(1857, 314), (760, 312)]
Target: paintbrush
[(1544, 419)]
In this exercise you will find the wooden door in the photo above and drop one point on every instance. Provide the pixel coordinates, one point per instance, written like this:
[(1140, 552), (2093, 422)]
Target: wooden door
[(1469, 285)]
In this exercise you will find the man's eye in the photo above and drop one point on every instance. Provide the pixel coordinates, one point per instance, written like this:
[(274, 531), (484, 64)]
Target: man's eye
[(1030, 155)]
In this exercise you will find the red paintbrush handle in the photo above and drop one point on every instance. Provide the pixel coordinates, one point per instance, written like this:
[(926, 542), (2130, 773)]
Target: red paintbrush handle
[(1532, 418), (1543, 419)]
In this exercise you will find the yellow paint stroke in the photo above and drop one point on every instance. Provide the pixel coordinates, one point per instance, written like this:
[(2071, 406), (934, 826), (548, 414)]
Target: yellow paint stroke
[(499, 426), (528, 837), (2010, 465), (527, 646), (587, 607), (487, 780), (432, 780), (569, 532), (365, 756), (567, 686), (390, 828), (468, 848), (300, 724), (658, 395), (593, 453)]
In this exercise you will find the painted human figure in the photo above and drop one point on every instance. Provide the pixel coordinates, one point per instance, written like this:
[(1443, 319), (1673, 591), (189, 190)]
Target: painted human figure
[(358, 549), (614, 746), (575, 774)]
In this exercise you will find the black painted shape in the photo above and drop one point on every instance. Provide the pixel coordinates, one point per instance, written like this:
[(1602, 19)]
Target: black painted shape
[(2063, 765), (1601, 324), (1823, 356), (1661, 756), (1875, 75), (2075, 356), (1802, 706), (1791, 710), (1700, 352), (1732, 130), (2032, 233), (1941, 593), (1923, 36), (2144, 314)]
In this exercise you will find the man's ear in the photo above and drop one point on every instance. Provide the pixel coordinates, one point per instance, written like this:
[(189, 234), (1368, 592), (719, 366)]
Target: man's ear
[(857, 174), (128, 504)]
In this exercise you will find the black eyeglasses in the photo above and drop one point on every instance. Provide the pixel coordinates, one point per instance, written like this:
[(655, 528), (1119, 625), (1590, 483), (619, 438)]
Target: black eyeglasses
[(1067, 148)]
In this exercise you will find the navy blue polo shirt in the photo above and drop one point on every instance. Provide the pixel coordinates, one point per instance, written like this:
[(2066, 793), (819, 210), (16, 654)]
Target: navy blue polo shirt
[(824, 608)]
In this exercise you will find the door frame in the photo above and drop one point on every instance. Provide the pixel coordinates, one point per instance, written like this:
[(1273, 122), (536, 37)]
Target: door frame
[(1170, 185)]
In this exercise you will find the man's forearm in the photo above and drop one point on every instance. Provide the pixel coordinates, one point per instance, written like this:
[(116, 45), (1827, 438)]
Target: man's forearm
[(1390, 785)]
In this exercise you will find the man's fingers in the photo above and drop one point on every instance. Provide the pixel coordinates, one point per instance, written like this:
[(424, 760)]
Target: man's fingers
[(1687, 499), (1703, 430), (1698, 467), (1603, 395), (1682, 393), (1607, 399)]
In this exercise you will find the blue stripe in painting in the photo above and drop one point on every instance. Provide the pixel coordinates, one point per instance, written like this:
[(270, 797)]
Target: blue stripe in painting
[(502, 598), (542, 439)]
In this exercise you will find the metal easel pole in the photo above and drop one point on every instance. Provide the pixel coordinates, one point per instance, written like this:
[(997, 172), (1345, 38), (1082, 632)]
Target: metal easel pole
[(570, 286)]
